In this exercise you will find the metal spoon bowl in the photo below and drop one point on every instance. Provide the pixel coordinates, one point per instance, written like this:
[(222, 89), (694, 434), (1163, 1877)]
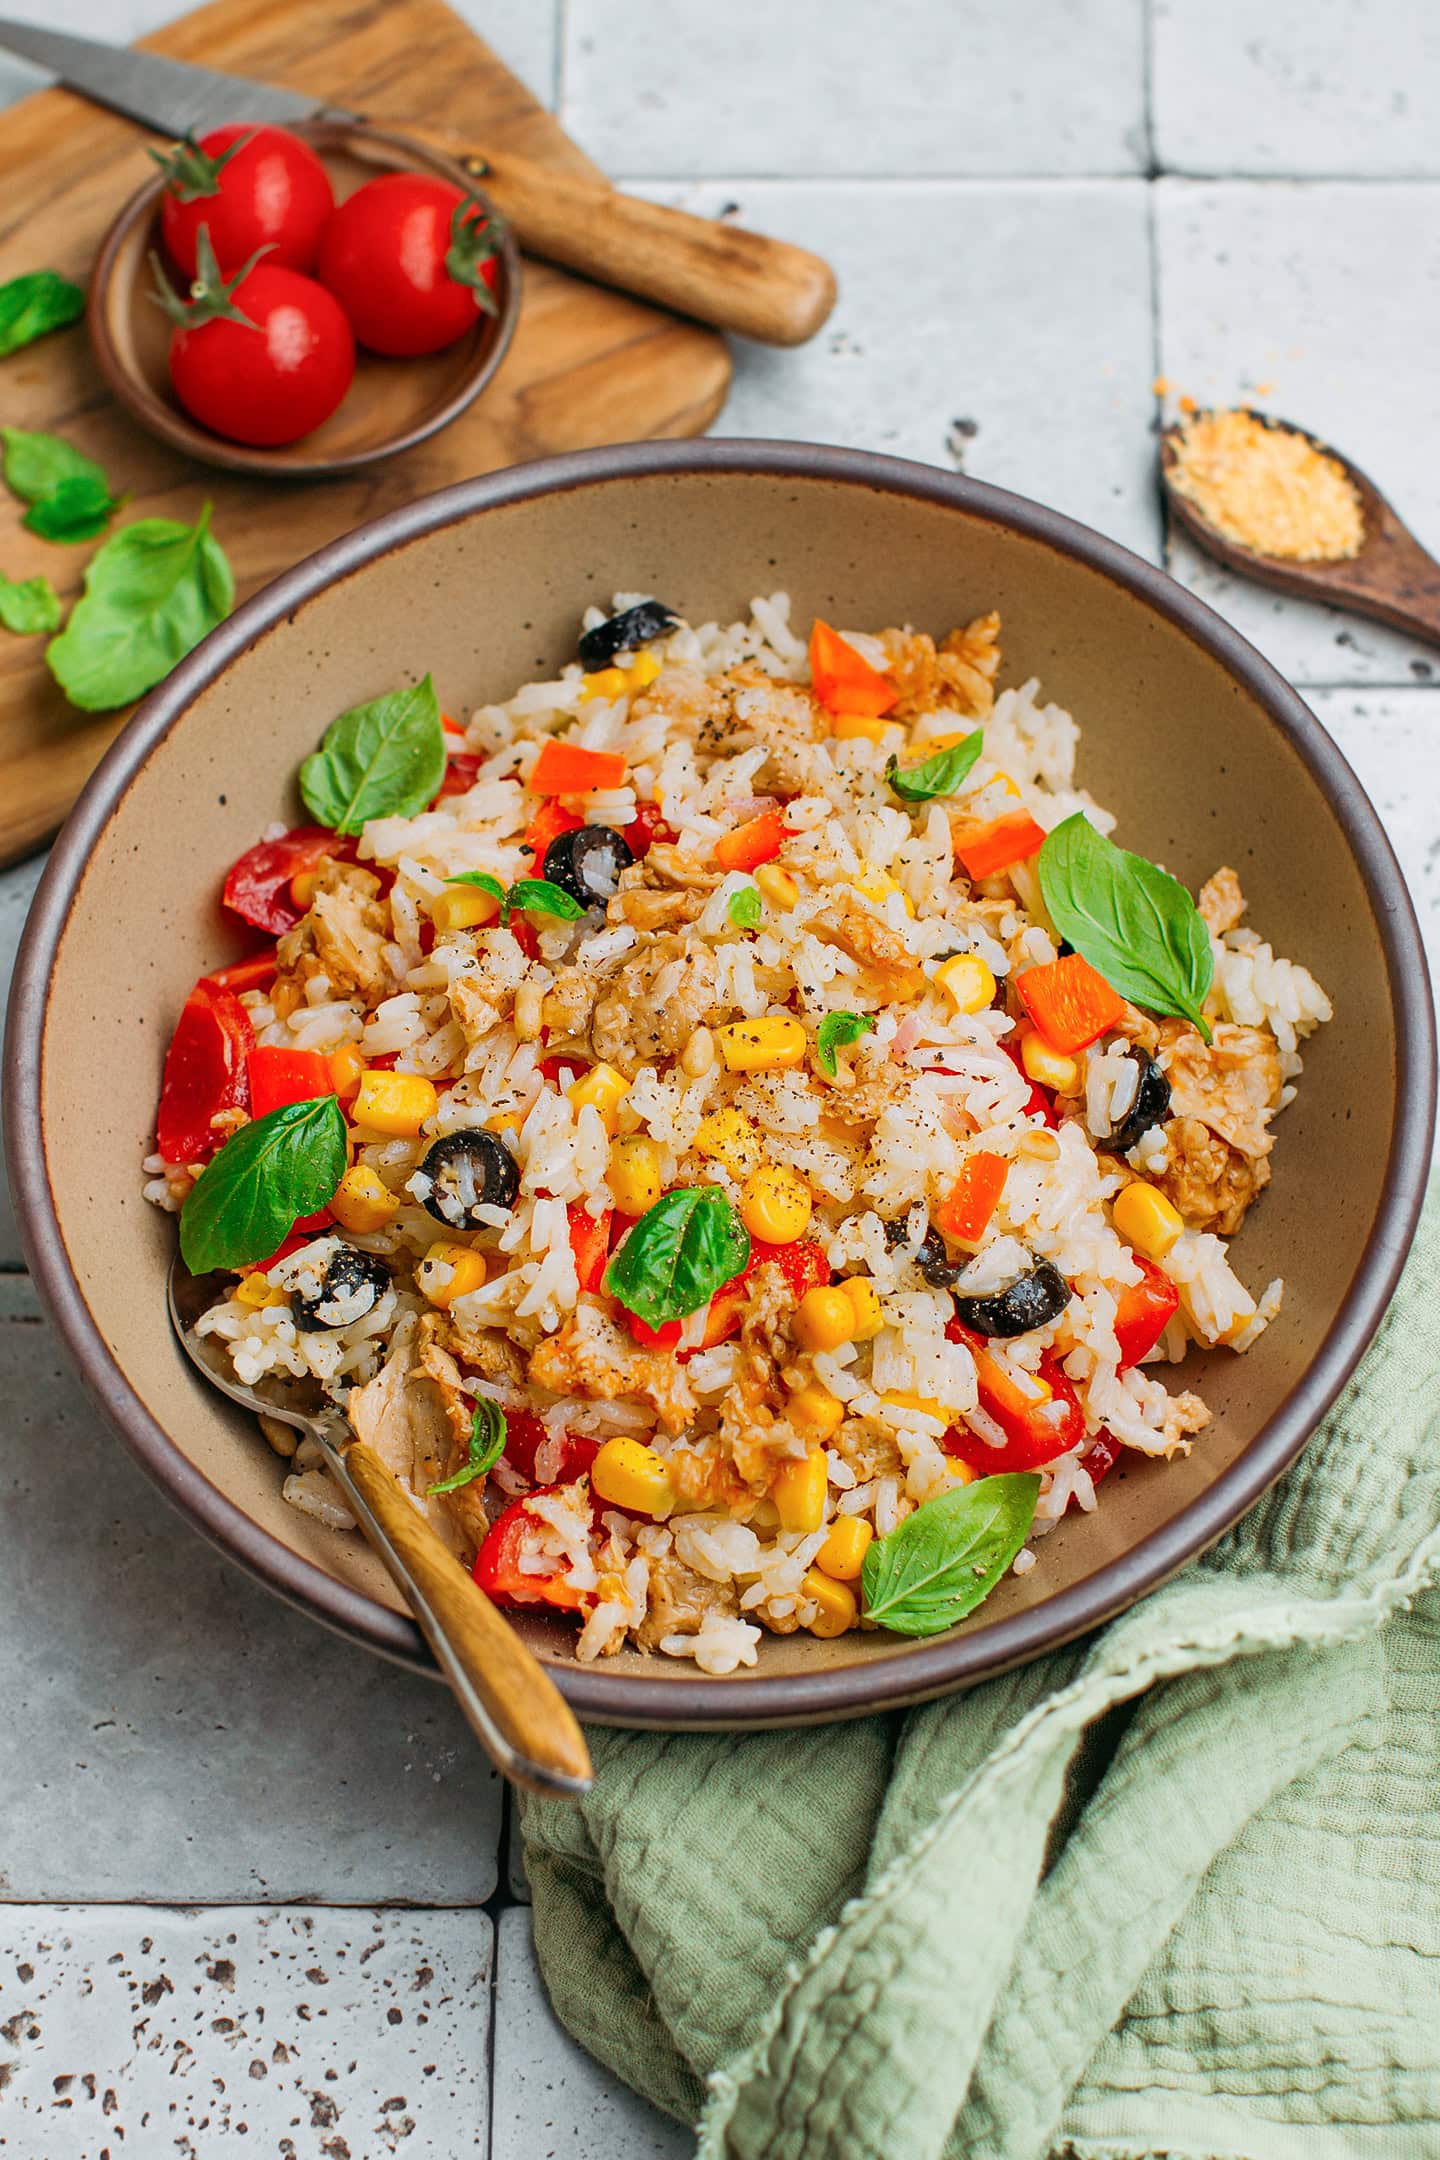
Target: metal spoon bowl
[(512, 1705)]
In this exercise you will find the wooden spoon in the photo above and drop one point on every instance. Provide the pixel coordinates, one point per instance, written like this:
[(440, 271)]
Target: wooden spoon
[(512, 1705), (1392, 578)]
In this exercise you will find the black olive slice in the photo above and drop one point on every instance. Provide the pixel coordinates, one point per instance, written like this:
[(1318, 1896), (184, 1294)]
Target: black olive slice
[(934, 1263), (587, 863), (463, 1173), (349, 1284), (623, 632), (1032, 1300), (1151, 1104)]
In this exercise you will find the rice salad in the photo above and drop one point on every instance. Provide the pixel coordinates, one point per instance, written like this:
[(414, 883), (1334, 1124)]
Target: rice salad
[(737, 1136)]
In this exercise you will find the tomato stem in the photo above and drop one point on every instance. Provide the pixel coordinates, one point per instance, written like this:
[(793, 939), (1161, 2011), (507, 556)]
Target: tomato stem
[(475, 234)]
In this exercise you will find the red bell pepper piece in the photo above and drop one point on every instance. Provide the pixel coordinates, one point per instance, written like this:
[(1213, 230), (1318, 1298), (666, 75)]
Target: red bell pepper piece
[(565, 768), (973, 1198), (1040, 1103), (645, 828), (1069, 1001), (758, 840), (204, 1073), (524, 1433), (499, 1573), (300, 1233), (241, 975), (986, 850), (1100, 1458), (1144, 1311), (664, 1337), (258, 886), (590, 1244), (459, 775), (524, 935), (554, 1069), (1035, 1432), (547, 824), (278, 1076), (844, 680)]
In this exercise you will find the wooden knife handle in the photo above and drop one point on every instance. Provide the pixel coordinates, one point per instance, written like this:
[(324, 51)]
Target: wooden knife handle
[(719, 273), (513, 1706)]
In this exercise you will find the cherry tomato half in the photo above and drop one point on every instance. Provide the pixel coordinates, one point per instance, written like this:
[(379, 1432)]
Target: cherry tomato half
[(204, 1073), (260, 358), (500, 1575), (252, 187), (412, 260), (257, 886)]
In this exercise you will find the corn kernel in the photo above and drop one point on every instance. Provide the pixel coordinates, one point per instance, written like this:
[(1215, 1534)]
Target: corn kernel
[(838, 1610), (256, 1290), (844, 1549), (463, 907), (814, 1409), (1048, 1066), (605, 1089), (302, 887), (729, 1138), (347, 1070), (633, 1174), (1146, 1218), (641, 672), (926, 746), (504, 1121), (824, 1319), (448, 1272), (1007, 786), (773, 1044), (362, 1201), (606, 682), (632, 1477), (777, 885), (967, 982), (900, 1399), (798, 1493), (860, 727), (878, 885), (395, 1103), (866, 1317), (775, 1204)]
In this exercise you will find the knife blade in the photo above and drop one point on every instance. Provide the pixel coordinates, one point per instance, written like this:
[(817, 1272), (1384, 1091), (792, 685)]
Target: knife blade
[(170, 96)]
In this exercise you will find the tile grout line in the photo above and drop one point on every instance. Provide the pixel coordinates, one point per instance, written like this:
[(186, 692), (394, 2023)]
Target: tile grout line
[(1136, 175)]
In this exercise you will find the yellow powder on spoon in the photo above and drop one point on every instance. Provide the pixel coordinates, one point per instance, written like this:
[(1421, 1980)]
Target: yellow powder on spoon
[(1267, 487)]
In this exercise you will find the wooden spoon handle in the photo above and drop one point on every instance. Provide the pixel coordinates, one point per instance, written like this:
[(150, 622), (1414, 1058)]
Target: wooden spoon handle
[(513, 1706), (721, 274)]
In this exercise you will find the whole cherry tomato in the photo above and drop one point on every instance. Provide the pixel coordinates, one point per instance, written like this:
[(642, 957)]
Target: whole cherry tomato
[(252, 187), (261, 357), (412, 261)]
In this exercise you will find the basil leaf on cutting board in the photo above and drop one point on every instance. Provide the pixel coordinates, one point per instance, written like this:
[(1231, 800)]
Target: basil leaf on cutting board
[(68, 493), (487, 1445), (1128, 918), (29, 608), (678, 1254), (273, 1170), (151, 593), (935, 776), (384, 759), (946, 1558), (834, 1032), (35, 304)]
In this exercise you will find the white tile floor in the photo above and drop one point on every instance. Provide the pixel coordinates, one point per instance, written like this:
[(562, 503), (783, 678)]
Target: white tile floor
[(1034, 210)]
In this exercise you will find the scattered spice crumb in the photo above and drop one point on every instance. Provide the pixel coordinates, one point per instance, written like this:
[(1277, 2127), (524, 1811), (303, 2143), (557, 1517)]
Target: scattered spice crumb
[(1267, 487)]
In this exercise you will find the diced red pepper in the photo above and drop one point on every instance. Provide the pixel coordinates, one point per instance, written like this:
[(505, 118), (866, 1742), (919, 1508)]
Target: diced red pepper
[(1035, 1432), (986, 850), (1069, 1001), (459, 776), (524, 935), (803, 1265), (645, 828), (844, 680), (547, 824), (1100, 1458), (1040, 1102), (590, 1244), (241, 975), (500, 1575), (204, 1073), (758, 840), (1144, 1311), (554, 1069), (565, 768), (664, 1337), (300, 1233), (524, 1433), (973, 1198), (258, 886), (279, 1076)]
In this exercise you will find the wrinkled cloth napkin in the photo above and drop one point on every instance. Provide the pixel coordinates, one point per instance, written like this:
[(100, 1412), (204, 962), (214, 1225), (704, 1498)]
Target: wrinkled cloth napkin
[(1027, 1922)]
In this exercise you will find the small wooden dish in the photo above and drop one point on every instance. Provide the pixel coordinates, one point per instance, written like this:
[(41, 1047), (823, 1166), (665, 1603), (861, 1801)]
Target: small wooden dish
[(391, 405)]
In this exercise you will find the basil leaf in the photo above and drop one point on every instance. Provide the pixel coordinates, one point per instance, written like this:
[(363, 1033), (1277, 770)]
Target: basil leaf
[(544, 898), (384, 759), (745, 907), (487, 1445), (835, 1030), (1128, 918), (946, 1558), (78, 510), (36, 465), (281, 1166), (33, 305), (938, 775), (151, 593), (31, 607), (678, 1254), (483, 879)]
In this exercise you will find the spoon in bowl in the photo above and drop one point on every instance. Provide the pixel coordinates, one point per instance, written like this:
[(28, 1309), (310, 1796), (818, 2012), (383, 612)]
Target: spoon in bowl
[(1392, 578), (512, 1705)]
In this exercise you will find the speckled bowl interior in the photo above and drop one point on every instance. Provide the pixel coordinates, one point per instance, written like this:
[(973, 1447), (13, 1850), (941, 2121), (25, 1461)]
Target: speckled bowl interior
[(1201, 749)]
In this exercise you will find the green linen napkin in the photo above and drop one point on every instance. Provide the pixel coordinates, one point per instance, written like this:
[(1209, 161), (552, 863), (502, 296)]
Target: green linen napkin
[(1173, 1891)]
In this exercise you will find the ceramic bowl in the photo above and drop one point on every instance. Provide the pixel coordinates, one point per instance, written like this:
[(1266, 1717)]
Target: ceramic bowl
[(390, 406), (1203, 750)]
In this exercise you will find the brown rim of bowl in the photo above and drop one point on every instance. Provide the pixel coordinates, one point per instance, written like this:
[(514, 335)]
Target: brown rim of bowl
[(290, 462), (692, 1700)]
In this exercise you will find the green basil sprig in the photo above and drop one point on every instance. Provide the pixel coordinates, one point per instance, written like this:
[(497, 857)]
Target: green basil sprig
[(28, 608), (678, 1254), (834, 1032), (534, 895), (1128, 918), (35, 304), (68, 493), (384, 759), (487, 1445), (151, 593), (273, 1170), (938, 775), (946, 1558), (745, 907)]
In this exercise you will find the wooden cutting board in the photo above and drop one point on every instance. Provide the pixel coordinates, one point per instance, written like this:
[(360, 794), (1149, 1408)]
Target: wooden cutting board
[(586, 365)]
